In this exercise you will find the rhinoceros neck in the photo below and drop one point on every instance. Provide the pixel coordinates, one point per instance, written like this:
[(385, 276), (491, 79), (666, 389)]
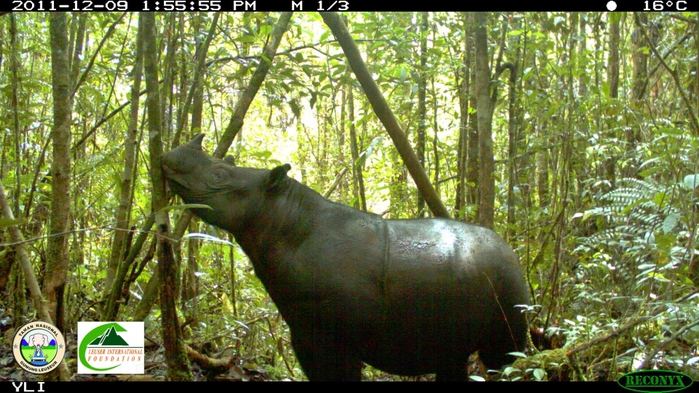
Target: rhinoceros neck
[(280, 225)]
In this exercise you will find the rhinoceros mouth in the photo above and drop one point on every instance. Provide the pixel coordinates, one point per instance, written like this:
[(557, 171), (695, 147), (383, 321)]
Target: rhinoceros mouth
[(175, 179), (169, 171)]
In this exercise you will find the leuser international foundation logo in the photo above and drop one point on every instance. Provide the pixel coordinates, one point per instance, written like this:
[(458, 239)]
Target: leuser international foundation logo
[(110, 348), (38, 347)]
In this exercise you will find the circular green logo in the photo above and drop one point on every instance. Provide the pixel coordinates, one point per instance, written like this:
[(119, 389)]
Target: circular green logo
[(38, 347)]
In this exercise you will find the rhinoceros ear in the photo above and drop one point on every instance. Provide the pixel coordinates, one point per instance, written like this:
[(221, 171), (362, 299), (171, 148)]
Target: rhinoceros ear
[(277, 176), (229, 160), (196, 142)]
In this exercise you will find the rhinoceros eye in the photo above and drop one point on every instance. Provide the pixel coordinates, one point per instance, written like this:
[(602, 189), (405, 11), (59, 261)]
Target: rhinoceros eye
[(219, 175)]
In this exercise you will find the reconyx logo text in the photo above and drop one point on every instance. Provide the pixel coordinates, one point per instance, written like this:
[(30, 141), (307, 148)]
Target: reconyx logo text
[(655, 381)]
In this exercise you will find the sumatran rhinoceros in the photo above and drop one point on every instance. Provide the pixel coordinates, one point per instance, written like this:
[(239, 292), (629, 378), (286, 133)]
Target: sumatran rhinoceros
[(408, 297)]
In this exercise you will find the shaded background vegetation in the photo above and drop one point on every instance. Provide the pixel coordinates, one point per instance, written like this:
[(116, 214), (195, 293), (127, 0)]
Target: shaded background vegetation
[(594, 150)]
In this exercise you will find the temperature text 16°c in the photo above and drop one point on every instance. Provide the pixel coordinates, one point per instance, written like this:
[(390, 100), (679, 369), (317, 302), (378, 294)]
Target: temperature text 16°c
[(665, 5)]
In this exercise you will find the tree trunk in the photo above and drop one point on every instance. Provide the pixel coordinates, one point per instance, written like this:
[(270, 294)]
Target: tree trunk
[(190, 285), (174, 26), (609, 165), (435, 140), (513, 128), (613, 63), (640, 62), (175, 356), (14, 67), (473, 162), (357, 176), (422, 106), (486, 207), (8, 260), (464, 88), (639, 81), (79, 152), (57, 246), (542, 169)]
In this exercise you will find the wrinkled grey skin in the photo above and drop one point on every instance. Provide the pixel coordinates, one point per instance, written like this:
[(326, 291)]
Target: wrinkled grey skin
[(409, 297)]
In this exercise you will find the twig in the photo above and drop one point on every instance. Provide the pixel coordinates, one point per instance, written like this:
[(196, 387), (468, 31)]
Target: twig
[(613, 334), (336, 183), (646, 361)]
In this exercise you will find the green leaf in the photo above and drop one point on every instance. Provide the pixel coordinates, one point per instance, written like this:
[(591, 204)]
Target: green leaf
[(262, 155), (306, 70), (325, 35), (651, 171), (509, 370), (671, 131), (665, 242), (670, 222), (205, 237), (186, 206), (539, 374), (266, 29), (660, 197), (295, 108), (660, 278), (6, 222), (366, 153), (691, 181)]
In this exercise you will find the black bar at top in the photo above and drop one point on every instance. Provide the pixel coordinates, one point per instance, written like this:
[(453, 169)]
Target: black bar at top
[(347, 5)]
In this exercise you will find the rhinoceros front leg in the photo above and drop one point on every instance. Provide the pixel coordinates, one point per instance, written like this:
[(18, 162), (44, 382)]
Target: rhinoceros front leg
[(324, 356), (454, 372)]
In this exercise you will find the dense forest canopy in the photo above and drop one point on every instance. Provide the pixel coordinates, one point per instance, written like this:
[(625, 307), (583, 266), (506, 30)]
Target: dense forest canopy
[(573, 135)]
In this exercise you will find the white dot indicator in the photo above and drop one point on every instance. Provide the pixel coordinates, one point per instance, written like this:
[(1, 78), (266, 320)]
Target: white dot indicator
[(611, 6)]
